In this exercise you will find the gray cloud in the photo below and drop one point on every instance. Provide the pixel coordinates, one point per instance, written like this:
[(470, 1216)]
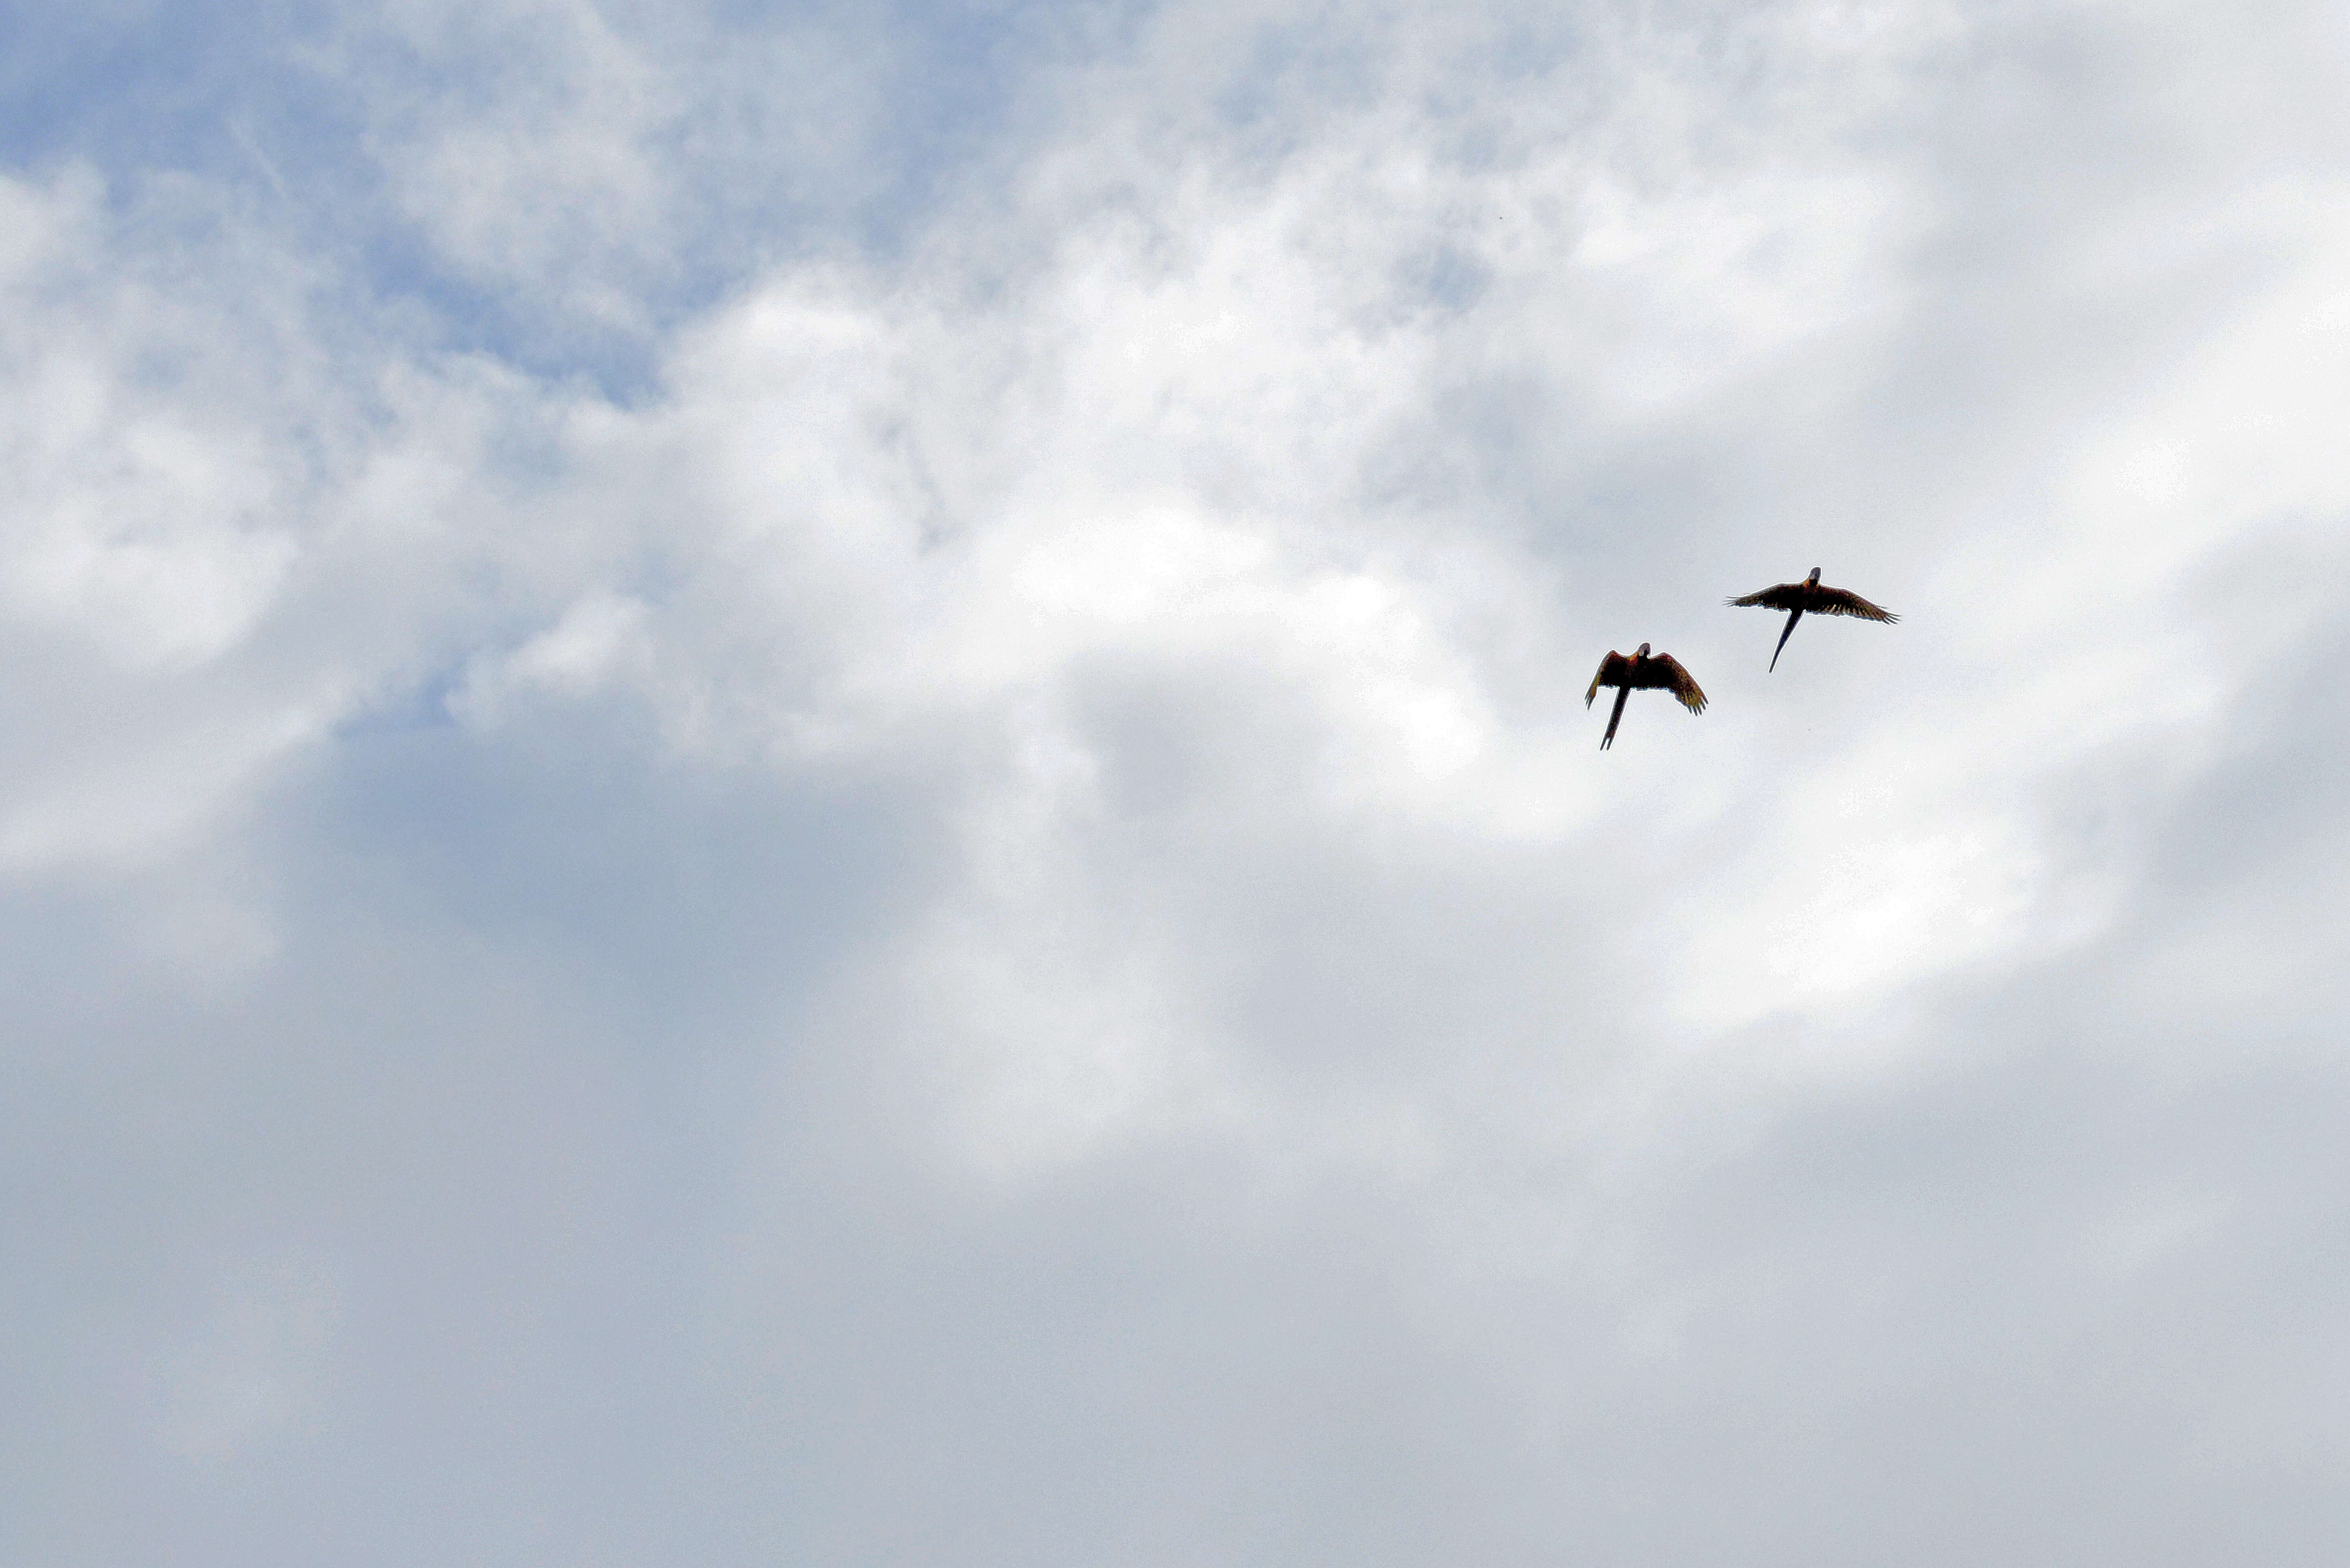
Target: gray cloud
[(979, 924)]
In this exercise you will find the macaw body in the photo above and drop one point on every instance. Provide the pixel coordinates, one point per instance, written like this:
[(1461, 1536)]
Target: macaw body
[(1808, 594), (1642, 671)]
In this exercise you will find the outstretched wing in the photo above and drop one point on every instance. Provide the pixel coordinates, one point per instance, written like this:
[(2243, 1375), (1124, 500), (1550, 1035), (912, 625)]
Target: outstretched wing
[(1782, 596), (1665, 671), (1836, 601), (1612, 670)]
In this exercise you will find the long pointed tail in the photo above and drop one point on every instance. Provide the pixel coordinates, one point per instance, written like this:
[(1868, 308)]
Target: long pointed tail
[(1614, 718), (1793, 616)]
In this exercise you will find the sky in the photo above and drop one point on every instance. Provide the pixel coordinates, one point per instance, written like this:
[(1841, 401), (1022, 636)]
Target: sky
[(803, 783)]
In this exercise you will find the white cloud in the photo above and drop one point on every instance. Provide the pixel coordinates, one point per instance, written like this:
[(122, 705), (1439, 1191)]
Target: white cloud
[(144, 512), (991, 892)]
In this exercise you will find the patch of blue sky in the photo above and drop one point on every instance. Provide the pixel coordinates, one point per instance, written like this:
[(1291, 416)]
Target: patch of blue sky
[(129, 87), (297, 119)]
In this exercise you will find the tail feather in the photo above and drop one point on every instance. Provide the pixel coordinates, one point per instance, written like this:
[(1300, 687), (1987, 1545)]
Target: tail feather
[(1793, 616), (1614, 718)]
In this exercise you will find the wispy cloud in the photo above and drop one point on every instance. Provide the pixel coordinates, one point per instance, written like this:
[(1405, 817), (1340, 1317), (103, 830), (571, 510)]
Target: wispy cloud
[(790, 785)]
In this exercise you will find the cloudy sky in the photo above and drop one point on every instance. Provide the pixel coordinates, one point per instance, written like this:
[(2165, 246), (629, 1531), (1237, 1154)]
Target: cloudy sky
[(805, 784)]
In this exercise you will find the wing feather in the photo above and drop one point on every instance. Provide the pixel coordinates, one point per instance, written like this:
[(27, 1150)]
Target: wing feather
[(1678, 681), (1781, 596), (1837, 601), (1611, 673)]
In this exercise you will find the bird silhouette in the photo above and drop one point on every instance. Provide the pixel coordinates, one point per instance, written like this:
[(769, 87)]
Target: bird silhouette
[(1639, 672), (1807, 594)]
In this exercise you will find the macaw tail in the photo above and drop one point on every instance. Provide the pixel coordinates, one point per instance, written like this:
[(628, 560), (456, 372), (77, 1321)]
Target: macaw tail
[(1793, 616)]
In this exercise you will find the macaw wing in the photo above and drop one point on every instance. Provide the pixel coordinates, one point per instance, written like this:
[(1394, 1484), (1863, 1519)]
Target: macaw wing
[(1836, 601), (1782, 596), (1612, 672), (1665, 673)]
